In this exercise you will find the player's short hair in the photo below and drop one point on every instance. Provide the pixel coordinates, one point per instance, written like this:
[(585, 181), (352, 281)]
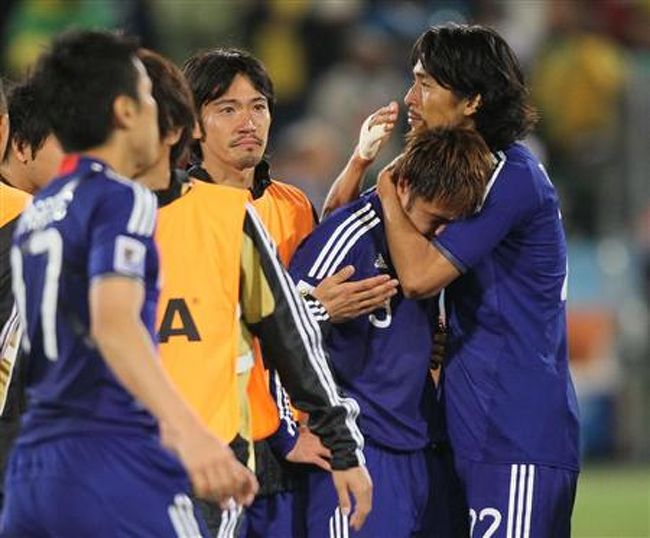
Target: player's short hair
[(211, 72), (451, 166), (28, 124), (472, 60), (174, 97), (78, 80)]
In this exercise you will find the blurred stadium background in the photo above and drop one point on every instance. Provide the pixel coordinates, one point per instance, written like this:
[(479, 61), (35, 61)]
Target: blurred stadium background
[(588, 64)]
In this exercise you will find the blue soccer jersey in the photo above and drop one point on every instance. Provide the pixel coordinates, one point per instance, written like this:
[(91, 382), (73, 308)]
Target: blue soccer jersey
[(508, 393), (87, 224), (381, 359)]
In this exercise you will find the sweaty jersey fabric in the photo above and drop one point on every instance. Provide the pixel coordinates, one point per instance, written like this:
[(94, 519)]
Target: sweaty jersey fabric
[(508, 395), (381, 359), (87, 224)]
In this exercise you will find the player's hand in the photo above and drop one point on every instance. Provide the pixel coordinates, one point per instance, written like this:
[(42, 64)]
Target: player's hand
[(385, 182), (376, 130), (211, 465), (355, 481), (347, 300), (309, 449)]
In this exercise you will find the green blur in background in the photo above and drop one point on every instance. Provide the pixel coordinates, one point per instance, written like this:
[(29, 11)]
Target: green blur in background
[(612, 502)]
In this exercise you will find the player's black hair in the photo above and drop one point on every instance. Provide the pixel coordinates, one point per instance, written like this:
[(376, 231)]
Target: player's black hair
[(78, 80), (473, 60), (210, 73), (174, 98), (28, 124), (450, 166)]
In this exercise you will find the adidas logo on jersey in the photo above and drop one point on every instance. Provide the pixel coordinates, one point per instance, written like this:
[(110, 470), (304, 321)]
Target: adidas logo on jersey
[(380, 263)]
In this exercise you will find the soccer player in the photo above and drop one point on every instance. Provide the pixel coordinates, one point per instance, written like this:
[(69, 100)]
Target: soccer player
[(382, 359), (88, 460), (33, 153), (234, 98), (510, 403), (31, 159), (12, 202), (209, 228)]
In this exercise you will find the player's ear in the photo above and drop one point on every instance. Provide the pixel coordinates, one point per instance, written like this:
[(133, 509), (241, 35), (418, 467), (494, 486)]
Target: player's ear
[(197, 131), (125, 111), (402, 186), (22, 151), (173, 136), (472, 105)]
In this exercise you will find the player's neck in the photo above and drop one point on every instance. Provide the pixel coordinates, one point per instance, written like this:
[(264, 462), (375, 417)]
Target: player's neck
[(227, 175), (115, 157), (158, 176)]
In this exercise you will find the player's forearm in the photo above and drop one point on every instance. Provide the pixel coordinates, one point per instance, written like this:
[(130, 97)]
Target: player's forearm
[(129, 352), (292, 344), (347, 185), (127, 349), (306, 376), (416, 260)]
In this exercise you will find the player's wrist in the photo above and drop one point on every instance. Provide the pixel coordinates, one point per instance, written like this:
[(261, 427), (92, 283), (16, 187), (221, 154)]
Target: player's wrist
[(360, 161)]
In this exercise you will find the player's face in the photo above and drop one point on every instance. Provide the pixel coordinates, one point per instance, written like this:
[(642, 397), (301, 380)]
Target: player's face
[(430, 105), (146, 138), (4, 132), (429, 218), (42, 168), (236, 126)]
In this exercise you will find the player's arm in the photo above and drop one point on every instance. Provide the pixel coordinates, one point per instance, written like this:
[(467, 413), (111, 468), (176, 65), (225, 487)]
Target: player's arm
[(424, 267), (117, 265), (291, 441), (421, 268), (375, 131), (292, 344)]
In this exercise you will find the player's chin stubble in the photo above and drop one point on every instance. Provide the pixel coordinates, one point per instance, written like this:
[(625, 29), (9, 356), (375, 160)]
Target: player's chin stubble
[(249, 161)]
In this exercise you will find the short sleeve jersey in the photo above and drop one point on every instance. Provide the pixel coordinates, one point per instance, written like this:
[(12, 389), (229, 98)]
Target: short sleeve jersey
[(381, 359), (508, 393), (87, 224)]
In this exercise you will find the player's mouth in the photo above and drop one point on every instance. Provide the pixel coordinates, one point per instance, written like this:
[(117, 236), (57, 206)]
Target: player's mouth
[(246, 141), (414, 118)]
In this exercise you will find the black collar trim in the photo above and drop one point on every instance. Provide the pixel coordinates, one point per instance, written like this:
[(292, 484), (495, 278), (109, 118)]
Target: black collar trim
[(261, 178), (178, 179)]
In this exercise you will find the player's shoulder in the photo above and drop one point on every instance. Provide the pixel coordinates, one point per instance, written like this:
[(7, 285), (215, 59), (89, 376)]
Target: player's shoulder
[(520, 161), (286, 191), (351, 224), (364, 209), (119, 198)]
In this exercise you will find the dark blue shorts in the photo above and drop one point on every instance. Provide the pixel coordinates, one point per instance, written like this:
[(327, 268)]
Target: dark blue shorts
[(97, 486), (517, 500), (271, 516), (399, 502)]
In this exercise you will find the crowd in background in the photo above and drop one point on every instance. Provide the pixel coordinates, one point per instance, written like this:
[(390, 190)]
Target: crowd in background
[(334, 61)]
